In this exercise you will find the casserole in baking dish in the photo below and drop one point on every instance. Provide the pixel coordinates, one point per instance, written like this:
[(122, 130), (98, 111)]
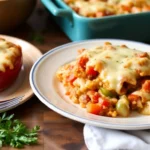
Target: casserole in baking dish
[(126, 26), (102, 8)]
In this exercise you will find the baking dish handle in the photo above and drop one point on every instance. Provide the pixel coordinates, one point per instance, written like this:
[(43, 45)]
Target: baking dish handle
[(57, 11)]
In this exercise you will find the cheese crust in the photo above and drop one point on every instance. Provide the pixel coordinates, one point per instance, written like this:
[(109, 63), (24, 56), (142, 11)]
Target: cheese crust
[(9, 53), (101, 8)]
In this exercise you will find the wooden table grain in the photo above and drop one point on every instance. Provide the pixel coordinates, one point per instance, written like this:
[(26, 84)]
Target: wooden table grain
[(57, 132)]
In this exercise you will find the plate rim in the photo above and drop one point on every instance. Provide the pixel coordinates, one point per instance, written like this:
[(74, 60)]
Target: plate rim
[(31, 93), (70, 115)]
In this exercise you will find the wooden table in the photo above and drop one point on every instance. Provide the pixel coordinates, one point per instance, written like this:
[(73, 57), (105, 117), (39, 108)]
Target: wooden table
[(57, 132)]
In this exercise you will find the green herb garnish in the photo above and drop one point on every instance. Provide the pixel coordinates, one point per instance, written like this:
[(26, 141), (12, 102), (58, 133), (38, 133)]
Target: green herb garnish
[(16, 134)]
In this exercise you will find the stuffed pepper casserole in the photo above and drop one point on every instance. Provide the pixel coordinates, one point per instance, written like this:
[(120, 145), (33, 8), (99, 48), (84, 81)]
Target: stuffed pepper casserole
[(109, 80)]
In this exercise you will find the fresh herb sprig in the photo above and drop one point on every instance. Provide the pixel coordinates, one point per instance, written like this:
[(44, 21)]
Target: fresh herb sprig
[(16, 134)]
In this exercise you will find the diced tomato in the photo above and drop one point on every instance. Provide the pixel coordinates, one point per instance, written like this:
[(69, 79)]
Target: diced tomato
[(104, 102), (146, 86), (84, 98), (91, 72), (67, 93), (93, 108), (126, 8), (133, 97), (94, 96), (71, 78), (82, 61)]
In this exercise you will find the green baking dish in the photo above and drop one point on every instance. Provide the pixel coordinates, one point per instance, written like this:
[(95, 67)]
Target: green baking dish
[(130, 26)]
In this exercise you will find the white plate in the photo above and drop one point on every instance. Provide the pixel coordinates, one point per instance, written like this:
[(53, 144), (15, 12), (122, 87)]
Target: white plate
[(51, 93), (21, 86)]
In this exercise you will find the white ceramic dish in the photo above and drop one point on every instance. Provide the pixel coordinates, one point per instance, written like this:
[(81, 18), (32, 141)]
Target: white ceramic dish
[(21, 86), (51, 93)]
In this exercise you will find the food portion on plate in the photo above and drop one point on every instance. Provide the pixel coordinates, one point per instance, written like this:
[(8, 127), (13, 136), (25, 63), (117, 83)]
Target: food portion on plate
[(10, 63), (101, 8), (109, 80)]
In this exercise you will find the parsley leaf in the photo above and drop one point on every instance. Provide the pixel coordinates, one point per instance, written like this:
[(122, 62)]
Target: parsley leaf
[(16, 134)]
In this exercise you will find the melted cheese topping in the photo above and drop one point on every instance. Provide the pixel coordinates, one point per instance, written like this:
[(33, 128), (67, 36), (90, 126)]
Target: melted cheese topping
[(8, 54), (100, 8), (119, 65), (145, 96)]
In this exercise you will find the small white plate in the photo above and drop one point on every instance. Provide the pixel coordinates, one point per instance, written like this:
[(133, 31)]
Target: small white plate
[(21, 86), (47, 88)]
